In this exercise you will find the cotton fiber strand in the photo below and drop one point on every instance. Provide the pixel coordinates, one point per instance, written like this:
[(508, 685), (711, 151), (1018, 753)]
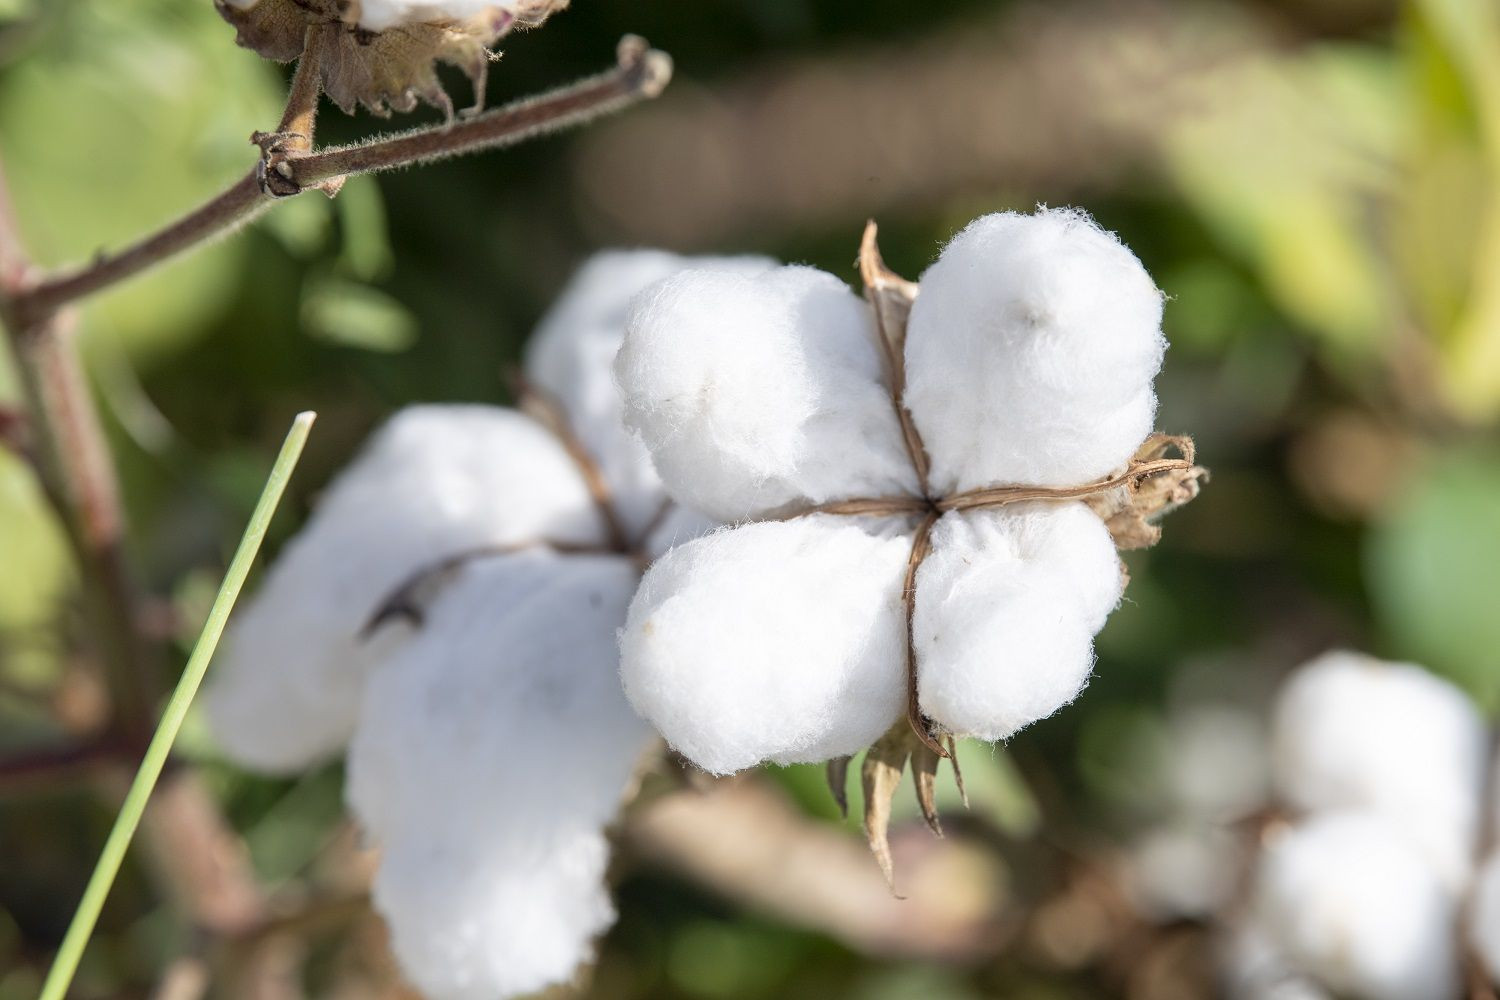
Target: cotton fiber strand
[(492, 751), (1031, 353), (803, 621), (435, 481), (1350, 900), (759, 391), (1350, 731)]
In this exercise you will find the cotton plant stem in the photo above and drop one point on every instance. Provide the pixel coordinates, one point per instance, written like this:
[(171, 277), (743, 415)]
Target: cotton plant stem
[(66, 963), (641, 74)]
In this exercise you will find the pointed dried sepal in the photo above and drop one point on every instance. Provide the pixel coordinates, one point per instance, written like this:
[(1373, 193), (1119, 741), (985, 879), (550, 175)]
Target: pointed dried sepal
[(389, 69), (951, 743), (838, 783), (880, 775), (924, 768), (1131, 512)]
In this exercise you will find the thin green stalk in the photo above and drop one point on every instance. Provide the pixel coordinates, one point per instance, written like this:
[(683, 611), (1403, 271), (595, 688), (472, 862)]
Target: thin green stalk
[(60, 977)]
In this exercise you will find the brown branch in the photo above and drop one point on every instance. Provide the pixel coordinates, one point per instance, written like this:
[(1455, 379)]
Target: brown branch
[(45, 766), (641, 74)]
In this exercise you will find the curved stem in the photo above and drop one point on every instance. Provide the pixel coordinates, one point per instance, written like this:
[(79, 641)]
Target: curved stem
[(640, 74)]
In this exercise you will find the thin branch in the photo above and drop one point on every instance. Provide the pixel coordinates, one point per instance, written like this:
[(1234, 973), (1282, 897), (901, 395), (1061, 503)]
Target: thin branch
[(44, 766), (641, 74)]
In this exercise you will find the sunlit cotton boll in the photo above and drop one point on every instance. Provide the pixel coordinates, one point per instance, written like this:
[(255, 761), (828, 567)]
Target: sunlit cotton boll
[(1350, 731), (1349, 900), (759, 391), (1031, 353), (492, 751), (777, 641), (435, 481), (1007, 606), (571, 357)]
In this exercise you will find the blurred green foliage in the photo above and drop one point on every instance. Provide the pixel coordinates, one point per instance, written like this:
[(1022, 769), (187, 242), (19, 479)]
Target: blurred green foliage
[(1327, 222)]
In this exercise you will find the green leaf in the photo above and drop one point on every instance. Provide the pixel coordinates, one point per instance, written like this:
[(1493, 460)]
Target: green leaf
[(354, 315), (1433, 568)]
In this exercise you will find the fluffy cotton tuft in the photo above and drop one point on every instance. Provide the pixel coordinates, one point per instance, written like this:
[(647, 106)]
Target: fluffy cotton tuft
[(1031, 352), (759, 391), (436, 480), (1350, 731), (776, 641), (1008, 603), (1346, 898), (493, 749), (571, 356)]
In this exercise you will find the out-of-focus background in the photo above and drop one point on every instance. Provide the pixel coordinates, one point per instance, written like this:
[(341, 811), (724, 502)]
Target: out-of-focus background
[(1315, 183)]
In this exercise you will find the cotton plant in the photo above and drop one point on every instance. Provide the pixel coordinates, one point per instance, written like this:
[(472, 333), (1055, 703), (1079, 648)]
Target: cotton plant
[(928, 489), (447, 617)]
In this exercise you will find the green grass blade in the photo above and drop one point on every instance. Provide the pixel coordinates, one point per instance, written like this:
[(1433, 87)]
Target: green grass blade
[(60, 977)]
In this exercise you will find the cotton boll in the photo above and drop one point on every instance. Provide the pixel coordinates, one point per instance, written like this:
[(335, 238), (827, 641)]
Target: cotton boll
[(1484, 916), (677, 526), (571, 356), (435, 481), (1253, 968), (1007, 605), (491, 752), (779, 641), (1031, 352), (477, 927), (1353, 732), (1348, 899), (759, 392)]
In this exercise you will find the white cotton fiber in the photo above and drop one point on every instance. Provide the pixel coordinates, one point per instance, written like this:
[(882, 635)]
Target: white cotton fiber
[(1349, 900), (1350, 731), (759, 391), (435, 481), (1008, 603), (1484, 916), (492, 751), (1184, 871), (379, 15), (1031, 353), (571, 357), (777, 641)]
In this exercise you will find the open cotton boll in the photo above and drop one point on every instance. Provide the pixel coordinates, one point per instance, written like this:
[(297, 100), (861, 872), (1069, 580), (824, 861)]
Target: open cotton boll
[(779, 641), (435, 481), (1354, 732), (1008, 602), (492, 751), (1484, 916), (571, 356), (1253, 968), (1031, 351), (759, 391), (1348, 899)]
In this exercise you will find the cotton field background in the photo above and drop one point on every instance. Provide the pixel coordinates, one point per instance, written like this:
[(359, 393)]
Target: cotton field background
[(503, 711)]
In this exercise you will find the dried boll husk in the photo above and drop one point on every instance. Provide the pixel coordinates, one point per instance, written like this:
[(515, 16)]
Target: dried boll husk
[(383, 54)]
